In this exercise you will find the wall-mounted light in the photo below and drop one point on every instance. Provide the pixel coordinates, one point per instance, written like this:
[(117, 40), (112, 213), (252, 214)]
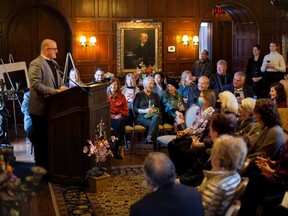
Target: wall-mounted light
[(186, 40), (84, 43)]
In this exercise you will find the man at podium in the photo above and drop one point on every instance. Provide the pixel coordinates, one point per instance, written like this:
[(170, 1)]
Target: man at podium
[(45, 81)]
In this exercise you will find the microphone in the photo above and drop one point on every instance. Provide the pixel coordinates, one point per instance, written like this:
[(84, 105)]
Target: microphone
[(56, 64)]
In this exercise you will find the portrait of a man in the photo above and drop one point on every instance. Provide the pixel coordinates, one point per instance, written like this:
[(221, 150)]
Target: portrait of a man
[(139, 47), (138, 42)]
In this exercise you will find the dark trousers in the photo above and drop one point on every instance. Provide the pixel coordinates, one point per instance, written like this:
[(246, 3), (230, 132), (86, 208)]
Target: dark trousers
[(182, 155), (258, 188), (40, 140), (118, 126), (152, 124)]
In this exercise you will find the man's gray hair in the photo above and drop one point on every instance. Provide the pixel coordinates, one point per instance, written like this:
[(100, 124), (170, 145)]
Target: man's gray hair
[(159, 169), (240, 73)]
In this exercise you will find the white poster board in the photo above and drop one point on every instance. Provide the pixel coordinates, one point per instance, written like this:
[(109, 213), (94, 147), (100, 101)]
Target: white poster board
[(17, 73)]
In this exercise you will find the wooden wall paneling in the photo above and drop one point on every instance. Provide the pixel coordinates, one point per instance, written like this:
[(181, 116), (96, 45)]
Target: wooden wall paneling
[(185, 66), (155, 8), (170, 40), (85, 8), (140, 9), (121, 8), (187, 8), (171, 69), (103, 8), (66, 5), (104, 48), (172, 8)]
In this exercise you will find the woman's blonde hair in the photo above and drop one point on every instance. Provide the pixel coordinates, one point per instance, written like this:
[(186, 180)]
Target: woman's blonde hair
[(228, 102), (229, 152), (130, 75), (184, 75), (248, 104)]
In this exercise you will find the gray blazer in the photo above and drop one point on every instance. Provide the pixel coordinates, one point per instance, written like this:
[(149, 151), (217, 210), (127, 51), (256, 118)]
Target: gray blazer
[(42, 85)]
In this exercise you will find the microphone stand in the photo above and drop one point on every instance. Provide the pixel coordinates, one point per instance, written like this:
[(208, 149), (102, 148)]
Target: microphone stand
[(58, 69)]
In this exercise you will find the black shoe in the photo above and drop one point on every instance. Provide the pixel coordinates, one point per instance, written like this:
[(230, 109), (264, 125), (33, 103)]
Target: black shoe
[(149, 141)]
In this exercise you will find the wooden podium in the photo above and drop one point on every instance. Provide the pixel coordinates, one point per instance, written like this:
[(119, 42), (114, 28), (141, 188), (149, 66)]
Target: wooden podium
[(72, 120)]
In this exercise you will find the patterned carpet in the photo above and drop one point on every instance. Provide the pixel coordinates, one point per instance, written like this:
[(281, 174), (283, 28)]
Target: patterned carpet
[(125, 188)]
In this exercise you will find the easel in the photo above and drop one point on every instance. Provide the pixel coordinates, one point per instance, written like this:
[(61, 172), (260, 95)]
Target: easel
[(13, 95), (68, 56)]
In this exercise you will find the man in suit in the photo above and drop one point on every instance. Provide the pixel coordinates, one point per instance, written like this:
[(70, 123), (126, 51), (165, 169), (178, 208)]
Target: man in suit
[(45, 81), (167, 198), (193, 95), (145, 51), (202, 67), (239, 88), (221, 78)]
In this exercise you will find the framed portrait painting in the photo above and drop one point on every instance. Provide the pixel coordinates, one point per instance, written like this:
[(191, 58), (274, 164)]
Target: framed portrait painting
[(138, 42)]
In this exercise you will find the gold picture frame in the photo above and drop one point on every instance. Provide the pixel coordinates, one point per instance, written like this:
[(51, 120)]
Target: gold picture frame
[(131, 52)]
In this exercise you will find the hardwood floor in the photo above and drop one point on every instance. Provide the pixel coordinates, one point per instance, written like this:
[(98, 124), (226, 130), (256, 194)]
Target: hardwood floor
[(42, 204)]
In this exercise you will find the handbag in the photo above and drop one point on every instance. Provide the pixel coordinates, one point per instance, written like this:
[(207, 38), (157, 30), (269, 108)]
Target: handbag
[(150, 115)]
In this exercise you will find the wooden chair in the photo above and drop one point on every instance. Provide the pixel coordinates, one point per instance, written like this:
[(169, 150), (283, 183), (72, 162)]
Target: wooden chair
[(284, 119), (234, 208), (245, 166), (241, 188)]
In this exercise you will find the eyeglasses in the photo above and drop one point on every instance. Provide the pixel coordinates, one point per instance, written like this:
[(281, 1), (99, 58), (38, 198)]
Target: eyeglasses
[(52, 48)]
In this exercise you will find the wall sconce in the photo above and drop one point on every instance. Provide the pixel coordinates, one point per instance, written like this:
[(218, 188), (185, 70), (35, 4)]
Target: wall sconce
[(84, 44), (186, 40)]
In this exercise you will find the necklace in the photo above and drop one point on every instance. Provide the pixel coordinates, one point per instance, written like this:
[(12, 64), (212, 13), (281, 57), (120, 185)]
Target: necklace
[(148, 100)]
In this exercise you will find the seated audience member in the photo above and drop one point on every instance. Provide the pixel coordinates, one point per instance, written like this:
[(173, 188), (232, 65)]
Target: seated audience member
[(267, 135), (228, 104), (271, 181), (27, 119), (284, 81), (221, 78), (118, 114), (180, 149), (171, 102), (239, 88), (129, 90), (99, 76), (254, 76), (278, 95), (186, 85), (246, 113), (219, 184), (219, 124), (203, 84), (166, 198), (74, 78), (202, 67), (147, 108), (159, 85)]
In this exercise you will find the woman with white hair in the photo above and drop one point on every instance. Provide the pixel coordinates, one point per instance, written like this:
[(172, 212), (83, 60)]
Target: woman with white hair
[(146, 106), (219, 184), (229, 104), (246, 114)]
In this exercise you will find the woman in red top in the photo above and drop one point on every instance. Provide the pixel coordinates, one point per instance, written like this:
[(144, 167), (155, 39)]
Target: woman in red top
[(118, 113)]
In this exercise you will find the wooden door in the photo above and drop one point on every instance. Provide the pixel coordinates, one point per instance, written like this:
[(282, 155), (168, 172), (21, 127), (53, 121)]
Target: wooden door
[(30, 26)]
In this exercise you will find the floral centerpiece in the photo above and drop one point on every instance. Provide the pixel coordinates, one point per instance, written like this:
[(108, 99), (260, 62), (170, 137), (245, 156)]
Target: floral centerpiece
[(13, 193), (99, 149), (143, 70)]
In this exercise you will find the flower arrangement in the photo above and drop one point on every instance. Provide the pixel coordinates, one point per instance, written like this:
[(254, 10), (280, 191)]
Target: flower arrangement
[(100, 149), (143, 71), (13, 193)]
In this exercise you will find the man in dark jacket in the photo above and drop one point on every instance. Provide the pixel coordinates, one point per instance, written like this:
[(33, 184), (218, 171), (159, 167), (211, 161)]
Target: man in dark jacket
[(202, 67), (239, 88), (167, 198)]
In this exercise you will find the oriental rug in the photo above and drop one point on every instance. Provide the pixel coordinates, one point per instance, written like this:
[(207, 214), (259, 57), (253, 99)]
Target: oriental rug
[(125, 188)]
